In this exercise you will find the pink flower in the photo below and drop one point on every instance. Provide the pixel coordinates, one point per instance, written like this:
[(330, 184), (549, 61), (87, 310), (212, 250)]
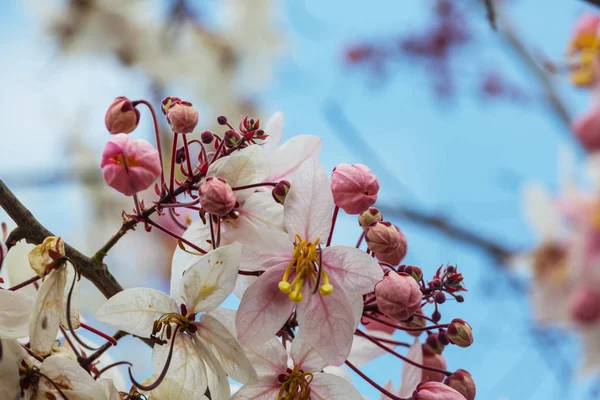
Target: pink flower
[(436, 391), (290, 261), (587, 129), (587, 24), (354, 187), (121, 116), (216, 196), (129, 165), (398, 295), (585, 304)]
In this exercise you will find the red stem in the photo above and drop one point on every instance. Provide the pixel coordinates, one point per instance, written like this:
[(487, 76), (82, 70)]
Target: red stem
[(360, 239), (402, 328), (333, 219), (173, 156), (187, 157), (97, 332), (373, 383), (25, 283), (255, 185), (176, 236), (157, 134)]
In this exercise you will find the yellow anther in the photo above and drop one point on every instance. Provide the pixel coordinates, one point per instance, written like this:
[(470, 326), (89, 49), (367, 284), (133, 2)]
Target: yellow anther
[(285, 287), (326, 289), (296, 296)]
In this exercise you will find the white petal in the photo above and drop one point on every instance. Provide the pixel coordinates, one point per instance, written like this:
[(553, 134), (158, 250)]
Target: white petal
[(170, 389), (306, 357), (210, 279), (217, 379), (241, 168), (186, 371), (256, 392), (389, 386), (354, 269), (74, 312), (110, 390), (331, 387), (309, 203), (18, 269), (541, 212), (73, 380), (14, 314), (273, 128), (411, 375), (226, 349), (338, 371), (262, 211), (135, 310), (243, 282), (46, 316), (268, 359), (364, 351), (197, 233), (288, 157), (9, 372)]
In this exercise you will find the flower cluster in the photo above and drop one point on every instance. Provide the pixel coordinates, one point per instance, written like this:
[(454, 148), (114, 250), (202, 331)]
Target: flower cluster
[(264, 221)]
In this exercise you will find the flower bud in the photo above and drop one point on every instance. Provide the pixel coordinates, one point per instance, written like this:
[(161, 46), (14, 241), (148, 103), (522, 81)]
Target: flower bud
[(443, 337), (180, 155), (434, 344), (44, 256), (231, 138), (167, 102), (398, 295), (129, 165), (584, 304), (463, 383), (586, 128), (439, 297), (382, 237), (436, 316), (369, 216), (415, 272), (354, 188), (433, 360), (280, 191), (460, 333), (207, 137), (182, 116), (121, 116), (395, 257), (216, 196), (435, 391), (416, 321), (222, 120)]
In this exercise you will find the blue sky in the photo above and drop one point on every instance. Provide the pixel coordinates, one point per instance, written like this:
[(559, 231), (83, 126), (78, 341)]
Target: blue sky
[(465, 158)]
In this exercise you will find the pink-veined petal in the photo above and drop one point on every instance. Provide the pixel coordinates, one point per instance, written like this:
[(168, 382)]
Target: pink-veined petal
[(273, 128), (289, 156), (411, 375), (226, 349), (257, 392), (242, 284), (196, 233), (46, 315), (354, 269), (261, 211), (186, 371), (331, 387), (327, 323), (135, 310), (357, 307), (305, 357), (210, 279), (14, 314), (309, 203), (263, 309)]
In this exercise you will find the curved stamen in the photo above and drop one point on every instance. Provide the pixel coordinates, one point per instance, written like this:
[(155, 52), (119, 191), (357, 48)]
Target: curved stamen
[(76, 277), (163, 373), (116, 364)]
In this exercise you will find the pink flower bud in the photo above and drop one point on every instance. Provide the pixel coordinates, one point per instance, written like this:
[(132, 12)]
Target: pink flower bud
[(398, 295), (460, 333), (216, 196), (167, 102), (416, 321), (121, 116), (382, 237), (463, 383), (433, 344), (433, 360), (587, 129), (369, 216), (207, 137), (280, 191), (182, 116), (354, 187), (129, 165), (584, 305), (395, 257), (436, 391)]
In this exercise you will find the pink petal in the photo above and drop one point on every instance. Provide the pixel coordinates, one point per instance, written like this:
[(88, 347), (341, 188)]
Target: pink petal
[(331, 387), (354, 269), (289, 156), (305, 357)]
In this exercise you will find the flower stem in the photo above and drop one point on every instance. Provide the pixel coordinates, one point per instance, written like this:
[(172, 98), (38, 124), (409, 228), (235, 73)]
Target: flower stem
[(157, 134), (333, 219), (373, 383), (25, 283), (176, 236)]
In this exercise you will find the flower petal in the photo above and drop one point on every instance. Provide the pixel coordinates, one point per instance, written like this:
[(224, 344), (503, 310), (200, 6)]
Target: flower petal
[(363, 350), (211, 278), (264, 248), (135, 310), (540, 211), (327, 323), (217, 379), (9, 371), (305, 357), (226, 349), (256, 392), (273, 128), (262, 211), (75, 382), (354, 269), (186, 371), (46, 315), (309, 203), (197, 233), (411, 375), (14, 314), (290, 155), (331, 387), (389, 386), (74, 311), (263, 309), (241, 168)]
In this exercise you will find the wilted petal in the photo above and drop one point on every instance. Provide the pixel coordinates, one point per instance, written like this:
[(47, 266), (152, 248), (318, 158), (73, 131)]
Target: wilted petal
[(74, 312), (331, 387), (241, 168), (14, 314), (46, 315), (210, 279), (186, 371), (309, 203), (354, 269), (226, 349), (288, 157), (327, 323), (135, 310), (110, 390), (305, 357), (411, 375), (75, 382), (263, 309)]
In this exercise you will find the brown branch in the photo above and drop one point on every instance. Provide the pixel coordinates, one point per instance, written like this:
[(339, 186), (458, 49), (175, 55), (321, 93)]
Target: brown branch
[(491, 12)]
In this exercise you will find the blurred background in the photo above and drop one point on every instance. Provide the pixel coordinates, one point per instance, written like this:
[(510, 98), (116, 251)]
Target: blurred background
[(453, 116)]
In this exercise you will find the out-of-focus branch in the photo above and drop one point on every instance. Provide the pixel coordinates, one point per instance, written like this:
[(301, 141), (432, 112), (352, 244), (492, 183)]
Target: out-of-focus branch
[(593, 2), (491, 12), (352, 138)]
